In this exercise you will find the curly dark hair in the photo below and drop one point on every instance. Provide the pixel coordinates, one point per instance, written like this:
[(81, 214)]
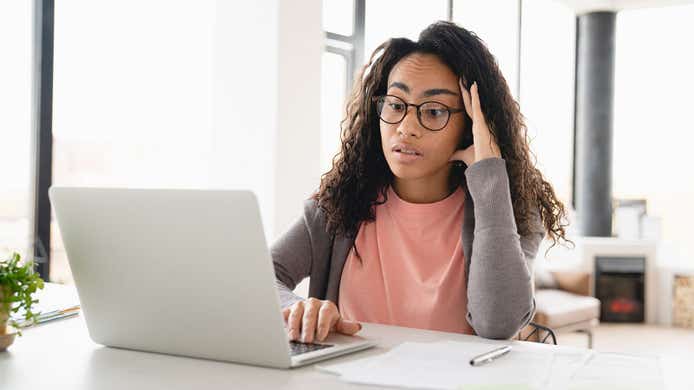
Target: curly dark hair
[(360, 173)]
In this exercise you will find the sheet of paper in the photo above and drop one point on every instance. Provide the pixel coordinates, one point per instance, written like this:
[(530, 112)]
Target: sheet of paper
[(565, 363), (618, 371), (52, 297), (445, 365)]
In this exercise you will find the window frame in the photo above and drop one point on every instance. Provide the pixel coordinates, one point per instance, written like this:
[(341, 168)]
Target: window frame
[(42, 123)]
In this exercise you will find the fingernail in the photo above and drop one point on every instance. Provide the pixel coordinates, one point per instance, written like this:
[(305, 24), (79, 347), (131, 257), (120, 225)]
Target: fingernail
[(359, 326)]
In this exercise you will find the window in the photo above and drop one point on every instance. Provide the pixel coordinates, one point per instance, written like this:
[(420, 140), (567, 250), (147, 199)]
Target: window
[(653, 130), (16, 185), (547, 89), (333, 95), (338, 16), (399, 18), (343, 24), (353, 31), (164, 107), (543, 88), (496, 23)]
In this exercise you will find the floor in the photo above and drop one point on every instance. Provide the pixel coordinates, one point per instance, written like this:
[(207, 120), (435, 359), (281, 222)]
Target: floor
[(675, 347), (639, 339)]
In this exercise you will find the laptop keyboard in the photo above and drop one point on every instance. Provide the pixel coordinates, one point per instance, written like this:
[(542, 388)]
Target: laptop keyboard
[(297, 348)]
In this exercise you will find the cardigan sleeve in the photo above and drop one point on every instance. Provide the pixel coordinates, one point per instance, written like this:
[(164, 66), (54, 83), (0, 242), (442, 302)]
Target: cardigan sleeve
[(291, 258), (295, 252), (500, 292)]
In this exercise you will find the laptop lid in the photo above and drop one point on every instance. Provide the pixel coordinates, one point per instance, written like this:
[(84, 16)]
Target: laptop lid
[(183, 272)]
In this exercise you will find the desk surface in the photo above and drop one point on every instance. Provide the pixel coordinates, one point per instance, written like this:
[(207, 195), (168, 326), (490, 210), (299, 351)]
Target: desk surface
[(61, 355)]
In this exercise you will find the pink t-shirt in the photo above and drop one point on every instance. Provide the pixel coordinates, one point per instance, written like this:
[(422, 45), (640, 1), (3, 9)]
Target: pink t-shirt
[(413, 267)]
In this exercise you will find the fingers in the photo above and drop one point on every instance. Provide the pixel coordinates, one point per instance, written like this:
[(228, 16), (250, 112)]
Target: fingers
[(294, 320), (285, 314), (476, 108), (467, 100), (466, 155), (484, 141), (347, 327), (471, 101), (327, 317), (310, 318)]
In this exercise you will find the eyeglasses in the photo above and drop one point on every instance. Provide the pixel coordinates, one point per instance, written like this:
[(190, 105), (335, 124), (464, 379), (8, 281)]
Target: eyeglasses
[(433, 116)]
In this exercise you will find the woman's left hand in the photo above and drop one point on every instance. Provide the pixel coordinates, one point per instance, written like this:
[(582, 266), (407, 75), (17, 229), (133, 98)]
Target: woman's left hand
[(483, 145)]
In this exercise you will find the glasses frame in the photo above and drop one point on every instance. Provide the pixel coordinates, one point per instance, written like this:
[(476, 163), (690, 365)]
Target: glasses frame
[(451, 111)]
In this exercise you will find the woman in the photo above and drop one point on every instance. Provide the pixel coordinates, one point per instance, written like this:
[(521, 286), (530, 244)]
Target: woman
[(432, 141)]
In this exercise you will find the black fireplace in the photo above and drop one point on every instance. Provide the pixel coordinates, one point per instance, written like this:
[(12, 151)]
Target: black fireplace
[(620, 286)]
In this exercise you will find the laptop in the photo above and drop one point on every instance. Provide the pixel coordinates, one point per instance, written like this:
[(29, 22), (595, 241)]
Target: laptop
[(181, 272)]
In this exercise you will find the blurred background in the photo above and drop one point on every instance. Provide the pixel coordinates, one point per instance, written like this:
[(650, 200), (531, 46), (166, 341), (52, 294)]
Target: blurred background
[(221, 94)]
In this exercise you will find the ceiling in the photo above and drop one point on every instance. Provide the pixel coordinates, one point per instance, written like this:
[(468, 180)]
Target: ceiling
[(584, 6)]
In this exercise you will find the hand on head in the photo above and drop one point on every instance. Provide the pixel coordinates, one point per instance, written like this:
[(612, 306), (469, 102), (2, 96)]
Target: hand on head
[(484, 145)]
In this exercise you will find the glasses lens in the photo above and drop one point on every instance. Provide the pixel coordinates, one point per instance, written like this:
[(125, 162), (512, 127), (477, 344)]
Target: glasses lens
[(434, 116), (391, 109)]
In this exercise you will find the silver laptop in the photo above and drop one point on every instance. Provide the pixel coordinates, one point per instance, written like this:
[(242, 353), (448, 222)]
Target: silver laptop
[(182, 272)]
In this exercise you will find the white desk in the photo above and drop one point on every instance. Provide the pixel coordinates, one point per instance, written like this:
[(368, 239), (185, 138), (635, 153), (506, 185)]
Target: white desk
[(61, 355)]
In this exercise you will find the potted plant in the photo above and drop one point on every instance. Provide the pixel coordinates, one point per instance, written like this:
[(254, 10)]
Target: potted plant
[(18, 282)]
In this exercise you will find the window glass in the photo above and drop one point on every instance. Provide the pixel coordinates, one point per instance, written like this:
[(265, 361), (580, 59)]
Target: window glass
[(16, 155)]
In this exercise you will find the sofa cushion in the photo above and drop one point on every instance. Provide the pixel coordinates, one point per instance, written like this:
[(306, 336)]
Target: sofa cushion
[(576, 282), (557, 308), (544, 278)]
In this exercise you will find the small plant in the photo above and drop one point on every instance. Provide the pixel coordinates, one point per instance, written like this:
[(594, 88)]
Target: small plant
[(17, 284)]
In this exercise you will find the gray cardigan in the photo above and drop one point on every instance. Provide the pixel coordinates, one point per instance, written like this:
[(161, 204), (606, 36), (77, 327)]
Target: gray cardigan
[(498, 261)]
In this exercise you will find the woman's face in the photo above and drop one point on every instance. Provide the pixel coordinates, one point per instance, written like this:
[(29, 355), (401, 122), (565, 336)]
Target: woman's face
[(416, 79)]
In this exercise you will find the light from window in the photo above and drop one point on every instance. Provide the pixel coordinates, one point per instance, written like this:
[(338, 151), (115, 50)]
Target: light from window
[(16, 23)]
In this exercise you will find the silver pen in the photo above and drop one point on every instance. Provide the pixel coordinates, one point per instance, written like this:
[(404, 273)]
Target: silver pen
[(489, 356)]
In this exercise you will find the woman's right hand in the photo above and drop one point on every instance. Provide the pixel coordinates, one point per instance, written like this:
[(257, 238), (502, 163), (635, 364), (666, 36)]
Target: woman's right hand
[(484, 142), (312, 320)]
